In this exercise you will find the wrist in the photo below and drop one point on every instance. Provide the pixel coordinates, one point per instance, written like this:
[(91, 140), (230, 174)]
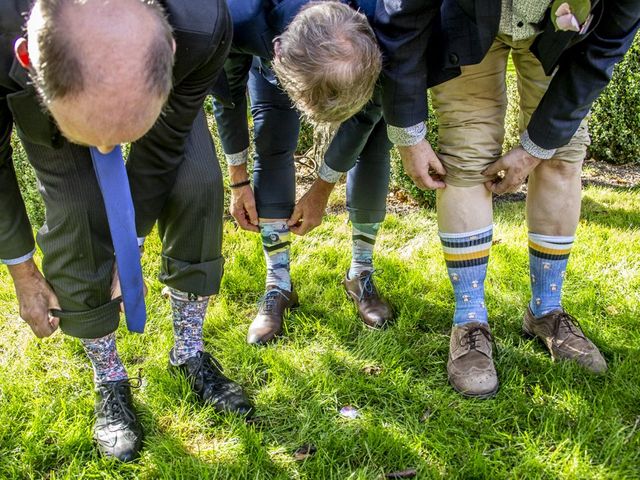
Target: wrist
[(22, 270), (238, 174), (322, 185)]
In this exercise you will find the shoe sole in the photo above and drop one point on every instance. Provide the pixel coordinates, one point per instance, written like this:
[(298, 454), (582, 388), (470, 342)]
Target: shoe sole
[(481, 396)]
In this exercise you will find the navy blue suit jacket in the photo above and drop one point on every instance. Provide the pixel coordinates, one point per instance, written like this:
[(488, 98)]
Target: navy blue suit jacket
[(256, 23), (425, 42)]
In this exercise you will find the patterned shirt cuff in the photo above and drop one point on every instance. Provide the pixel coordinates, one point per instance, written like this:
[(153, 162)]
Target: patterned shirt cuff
[(235, 159), (141, 241), (16, 261), (407, 137), (328, 174), (533, 149)]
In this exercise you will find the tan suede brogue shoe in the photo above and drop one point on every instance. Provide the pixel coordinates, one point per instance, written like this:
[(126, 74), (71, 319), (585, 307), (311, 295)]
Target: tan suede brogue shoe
[(564, 339), (470, 367)]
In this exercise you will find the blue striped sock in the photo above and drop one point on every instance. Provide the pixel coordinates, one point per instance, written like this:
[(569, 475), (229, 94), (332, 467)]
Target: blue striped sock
[(467, 256), (548, 258), (276, 245)]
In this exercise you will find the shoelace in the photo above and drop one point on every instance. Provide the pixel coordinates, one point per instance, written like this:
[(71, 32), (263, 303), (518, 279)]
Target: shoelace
[(268, 300), (368, 288), (568, 324), (470, 338), (115, 400), (208, 368)]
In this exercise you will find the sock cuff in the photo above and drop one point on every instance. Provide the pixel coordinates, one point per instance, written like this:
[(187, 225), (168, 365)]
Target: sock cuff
[(181, 296), (549, 247), (539, 238), (366, 228), (464, 235), (275, 225)]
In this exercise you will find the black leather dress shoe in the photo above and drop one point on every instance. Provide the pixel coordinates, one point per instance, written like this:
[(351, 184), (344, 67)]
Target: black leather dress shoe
[(117, 430), (211, 386)]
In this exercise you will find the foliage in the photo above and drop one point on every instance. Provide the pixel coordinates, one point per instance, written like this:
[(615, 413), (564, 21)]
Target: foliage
[(615, 117)]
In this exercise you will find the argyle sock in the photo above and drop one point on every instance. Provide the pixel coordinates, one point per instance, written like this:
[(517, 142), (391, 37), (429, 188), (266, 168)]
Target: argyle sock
[(548, 258), (276, 245), (363, 238), (467, 256), (188, 317), (107, 366)]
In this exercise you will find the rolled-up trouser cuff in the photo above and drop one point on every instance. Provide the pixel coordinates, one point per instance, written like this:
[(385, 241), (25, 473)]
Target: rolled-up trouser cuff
[(94, 323), (199, 278), (275, 211), (359, 215)]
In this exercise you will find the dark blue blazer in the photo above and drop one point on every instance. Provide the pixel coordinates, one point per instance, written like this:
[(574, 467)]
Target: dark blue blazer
[(255, 25), (425, 42)]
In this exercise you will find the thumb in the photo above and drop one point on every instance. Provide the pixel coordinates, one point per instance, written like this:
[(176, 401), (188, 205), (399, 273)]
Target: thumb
[(295, 216), (54, 304), (493, 169), (436, 164), (253, 215)]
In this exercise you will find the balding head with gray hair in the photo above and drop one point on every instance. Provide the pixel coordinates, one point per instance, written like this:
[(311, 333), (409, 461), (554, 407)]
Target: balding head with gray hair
[(103, 68)]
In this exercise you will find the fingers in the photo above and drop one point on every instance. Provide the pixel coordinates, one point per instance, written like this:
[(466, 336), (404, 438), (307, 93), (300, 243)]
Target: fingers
[(252, 212), (243, 220), (303, 228), (494, 168)]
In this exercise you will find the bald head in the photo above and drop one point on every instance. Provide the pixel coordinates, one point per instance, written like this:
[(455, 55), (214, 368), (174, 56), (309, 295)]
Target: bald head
[(102, 67)]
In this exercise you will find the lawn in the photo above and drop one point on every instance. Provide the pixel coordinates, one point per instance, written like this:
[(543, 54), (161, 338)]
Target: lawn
[(547, 421)]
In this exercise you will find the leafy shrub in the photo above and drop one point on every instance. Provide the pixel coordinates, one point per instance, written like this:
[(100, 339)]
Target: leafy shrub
[(615, 117)]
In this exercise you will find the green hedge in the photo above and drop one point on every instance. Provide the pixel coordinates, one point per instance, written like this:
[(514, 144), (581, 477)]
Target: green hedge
[(615, 117)]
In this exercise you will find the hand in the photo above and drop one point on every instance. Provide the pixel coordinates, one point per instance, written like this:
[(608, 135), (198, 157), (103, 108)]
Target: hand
[(309, 210), (36, 298), (516, 165), (243, 203), (422, 164)]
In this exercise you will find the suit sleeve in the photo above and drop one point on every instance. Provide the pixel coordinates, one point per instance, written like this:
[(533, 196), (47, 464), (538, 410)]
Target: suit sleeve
[(232, 122), (403, 28), (154, 159), (16, 235), (584, 71)]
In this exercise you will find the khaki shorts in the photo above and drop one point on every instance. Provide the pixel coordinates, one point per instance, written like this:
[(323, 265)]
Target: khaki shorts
[(471, 110)]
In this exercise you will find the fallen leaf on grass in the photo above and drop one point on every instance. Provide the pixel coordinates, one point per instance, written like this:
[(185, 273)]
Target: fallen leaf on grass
[(349, 412), (372, 370), (304, 452), (497, 241), (409, 473)]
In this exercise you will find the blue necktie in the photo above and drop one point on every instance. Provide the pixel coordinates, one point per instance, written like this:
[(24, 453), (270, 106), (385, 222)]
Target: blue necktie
[(114, 185)]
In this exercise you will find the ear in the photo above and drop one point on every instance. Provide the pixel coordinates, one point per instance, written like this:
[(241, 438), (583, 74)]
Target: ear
[(277, 48), (22, 52)]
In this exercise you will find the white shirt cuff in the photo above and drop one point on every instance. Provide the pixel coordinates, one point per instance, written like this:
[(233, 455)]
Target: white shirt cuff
[(533, 149), (16, 261), (328, 174), (407, 137), (235, 159)]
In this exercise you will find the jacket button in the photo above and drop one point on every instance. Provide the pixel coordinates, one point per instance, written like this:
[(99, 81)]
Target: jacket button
[(520, 24), (453, 58)]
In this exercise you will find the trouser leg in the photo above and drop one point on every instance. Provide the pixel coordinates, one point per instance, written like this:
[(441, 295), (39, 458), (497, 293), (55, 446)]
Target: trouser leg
[(190, 225), (78, 255)]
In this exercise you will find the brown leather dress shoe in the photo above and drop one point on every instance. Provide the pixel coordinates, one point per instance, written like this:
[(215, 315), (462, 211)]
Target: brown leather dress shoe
[(562, 335), (374, 311), (470, 367), (268, 323)]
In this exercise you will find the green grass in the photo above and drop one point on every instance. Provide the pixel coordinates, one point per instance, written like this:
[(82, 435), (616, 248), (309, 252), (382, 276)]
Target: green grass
[(547, 421)]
